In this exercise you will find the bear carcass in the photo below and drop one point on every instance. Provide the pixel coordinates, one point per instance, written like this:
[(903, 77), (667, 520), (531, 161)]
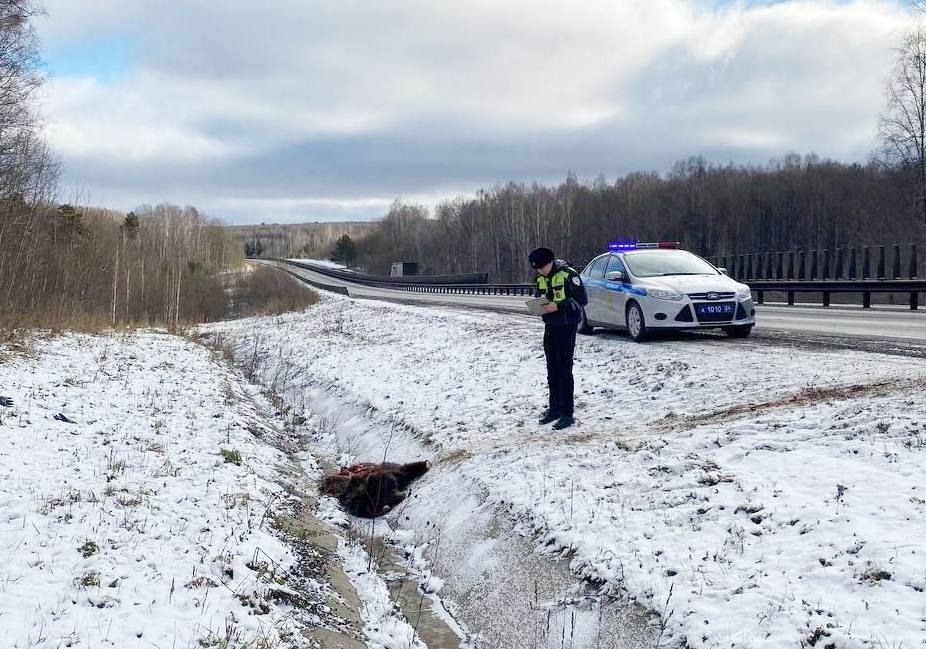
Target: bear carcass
[(370, 490)]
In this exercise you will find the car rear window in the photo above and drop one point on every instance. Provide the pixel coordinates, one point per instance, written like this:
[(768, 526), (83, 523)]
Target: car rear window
[(595, 270), (654, 263), (614, 263)]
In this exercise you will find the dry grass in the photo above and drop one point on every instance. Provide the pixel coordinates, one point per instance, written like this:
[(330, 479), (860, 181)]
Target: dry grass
[(16, 342), (250, 291), (267, 291), (54, 320), (807, 396), (230, 455)]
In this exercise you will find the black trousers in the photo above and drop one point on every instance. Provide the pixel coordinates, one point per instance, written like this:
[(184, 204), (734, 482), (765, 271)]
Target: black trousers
[(559, 345)]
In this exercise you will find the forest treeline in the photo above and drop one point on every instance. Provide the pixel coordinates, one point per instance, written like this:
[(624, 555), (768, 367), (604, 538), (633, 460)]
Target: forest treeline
[(64, 265), (796, 203), (72, 267), (312, 240)]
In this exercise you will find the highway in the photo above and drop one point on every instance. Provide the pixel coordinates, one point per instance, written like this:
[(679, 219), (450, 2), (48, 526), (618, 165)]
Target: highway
[(890, 330), (888, 323)]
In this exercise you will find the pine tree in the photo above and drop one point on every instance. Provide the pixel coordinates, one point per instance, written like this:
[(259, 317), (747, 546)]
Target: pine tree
[(345, 251), (131, 225)]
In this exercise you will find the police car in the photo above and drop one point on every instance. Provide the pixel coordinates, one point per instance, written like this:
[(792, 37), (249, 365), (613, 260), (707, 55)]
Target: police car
[(655, 286)]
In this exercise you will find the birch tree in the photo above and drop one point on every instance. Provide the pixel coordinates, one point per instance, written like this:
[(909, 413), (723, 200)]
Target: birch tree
[(902, 126)]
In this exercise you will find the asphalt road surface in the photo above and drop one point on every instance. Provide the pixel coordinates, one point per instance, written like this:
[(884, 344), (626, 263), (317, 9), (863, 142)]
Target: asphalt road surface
[(886, 330)]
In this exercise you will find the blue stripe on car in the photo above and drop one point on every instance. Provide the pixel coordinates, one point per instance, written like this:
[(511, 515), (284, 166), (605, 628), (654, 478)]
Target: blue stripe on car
[(614, 286)]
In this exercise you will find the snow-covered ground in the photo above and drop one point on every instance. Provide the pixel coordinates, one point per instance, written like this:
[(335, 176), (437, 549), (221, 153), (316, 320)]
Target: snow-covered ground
[(151, 497), (322, 263), (752, 495)]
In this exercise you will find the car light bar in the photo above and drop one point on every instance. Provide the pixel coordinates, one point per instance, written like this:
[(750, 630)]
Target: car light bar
[(620, 246)]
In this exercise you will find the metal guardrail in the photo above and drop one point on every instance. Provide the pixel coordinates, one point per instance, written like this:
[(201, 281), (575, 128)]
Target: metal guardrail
[(466, 289), (759, 287), (360, 278), (848, 263), (842, 270), (825, 287), (311, 282), (416, 287)]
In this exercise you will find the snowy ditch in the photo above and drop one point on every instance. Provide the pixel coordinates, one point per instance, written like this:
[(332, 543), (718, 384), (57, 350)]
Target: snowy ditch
[(743, 496), (473, 572), (152, 497)]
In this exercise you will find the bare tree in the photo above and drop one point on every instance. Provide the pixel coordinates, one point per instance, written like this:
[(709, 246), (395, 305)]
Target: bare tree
[(20, 76), (902, 126), (798, 202)]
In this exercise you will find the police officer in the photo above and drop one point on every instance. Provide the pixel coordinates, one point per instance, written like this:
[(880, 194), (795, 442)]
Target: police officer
[(563, 287)]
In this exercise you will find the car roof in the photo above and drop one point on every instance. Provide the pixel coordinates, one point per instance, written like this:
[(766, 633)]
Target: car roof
[(638, 250), (633, 252)]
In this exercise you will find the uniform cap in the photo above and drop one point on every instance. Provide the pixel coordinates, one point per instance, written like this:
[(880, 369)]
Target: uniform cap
[(540, 257)]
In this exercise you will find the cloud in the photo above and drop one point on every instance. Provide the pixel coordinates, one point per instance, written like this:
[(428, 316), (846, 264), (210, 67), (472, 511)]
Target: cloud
[(303, 106)]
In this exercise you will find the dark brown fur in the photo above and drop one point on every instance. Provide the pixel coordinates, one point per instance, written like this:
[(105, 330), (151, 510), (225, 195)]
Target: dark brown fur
[(371, 490)]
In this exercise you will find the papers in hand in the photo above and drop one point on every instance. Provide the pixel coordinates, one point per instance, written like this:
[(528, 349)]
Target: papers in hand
[(534, 306)]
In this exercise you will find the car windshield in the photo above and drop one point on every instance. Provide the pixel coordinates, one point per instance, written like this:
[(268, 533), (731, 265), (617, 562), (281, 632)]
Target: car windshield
[(656, 263)]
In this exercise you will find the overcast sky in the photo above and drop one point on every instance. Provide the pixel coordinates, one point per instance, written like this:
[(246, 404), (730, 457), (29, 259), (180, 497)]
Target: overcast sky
[(303, 110)]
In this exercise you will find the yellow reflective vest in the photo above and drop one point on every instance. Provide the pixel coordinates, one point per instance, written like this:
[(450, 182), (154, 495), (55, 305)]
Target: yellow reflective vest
[(557, 282)]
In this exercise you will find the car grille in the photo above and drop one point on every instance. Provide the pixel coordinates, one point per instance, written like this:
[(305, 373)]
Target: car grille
[(703, 296), (684, 315), (715, 317)]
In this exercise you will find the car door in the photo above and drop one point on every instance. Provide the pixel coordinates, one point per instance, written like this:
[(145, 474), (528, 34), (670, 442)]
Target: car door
[(593, 278), (615, 292)]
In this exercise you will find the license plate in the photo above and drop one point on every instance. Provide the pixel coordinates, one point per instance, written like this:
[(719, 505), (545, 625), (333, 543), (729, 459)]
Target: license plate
[(720, 308)]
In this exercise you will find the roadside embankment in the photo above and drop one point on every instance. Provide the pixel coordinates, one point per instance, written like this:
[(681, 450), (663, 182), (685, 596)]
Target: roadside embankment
[(748, 495), (152, 497)]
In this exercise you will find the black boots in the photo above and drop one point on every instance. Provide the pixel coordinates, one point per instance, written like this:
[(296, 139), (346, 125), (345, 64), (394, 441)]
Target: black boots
[(562, 421), (548, 416)]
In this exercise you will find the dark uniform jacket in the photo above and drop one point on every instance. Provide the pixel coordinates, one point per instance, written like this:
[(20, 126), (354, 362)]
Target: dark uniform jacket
[(565, 288)]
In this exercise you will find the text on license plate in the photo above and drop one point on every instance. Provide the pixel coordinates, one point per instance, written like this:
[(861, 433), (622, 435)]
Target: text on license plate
[(721, 308)]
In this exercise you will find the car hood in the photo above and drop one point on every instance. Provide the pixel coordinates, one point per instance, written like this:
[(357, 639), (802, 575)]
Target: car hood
[(691, 283)]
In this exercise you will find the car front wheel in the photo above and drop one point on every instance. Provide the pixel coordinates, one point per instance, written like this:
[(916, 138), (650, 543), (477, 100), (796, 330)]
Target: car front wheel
[(741, 331), (636, 324), (584, 327)]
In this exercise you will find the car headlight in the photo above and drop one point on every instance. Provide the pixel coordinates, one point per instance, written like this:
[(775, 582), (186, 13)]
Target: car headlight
[(663, 294), (744, 293)]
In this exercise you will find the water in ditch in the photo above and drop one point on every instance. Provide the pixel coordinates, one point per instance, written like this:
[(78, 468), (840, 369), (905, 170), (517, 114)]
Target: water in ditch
[(497, 591)]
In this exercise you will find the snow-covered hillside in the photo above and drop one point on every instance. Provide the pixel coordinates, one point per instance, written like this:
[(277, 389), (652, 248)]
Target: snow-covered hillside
[(150, 497), (753, 495)]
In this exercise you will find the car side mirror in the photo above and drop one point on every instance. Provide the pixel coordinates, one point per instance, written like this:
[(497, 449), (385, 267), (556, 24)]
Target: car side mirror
[(722, 271), (614, 276)]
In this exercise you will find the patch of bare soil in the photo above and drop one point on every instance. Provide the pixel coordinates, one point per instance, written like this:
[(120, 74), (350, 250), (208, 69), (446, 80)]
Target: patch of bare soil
[(808, 396), (632, 440)]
